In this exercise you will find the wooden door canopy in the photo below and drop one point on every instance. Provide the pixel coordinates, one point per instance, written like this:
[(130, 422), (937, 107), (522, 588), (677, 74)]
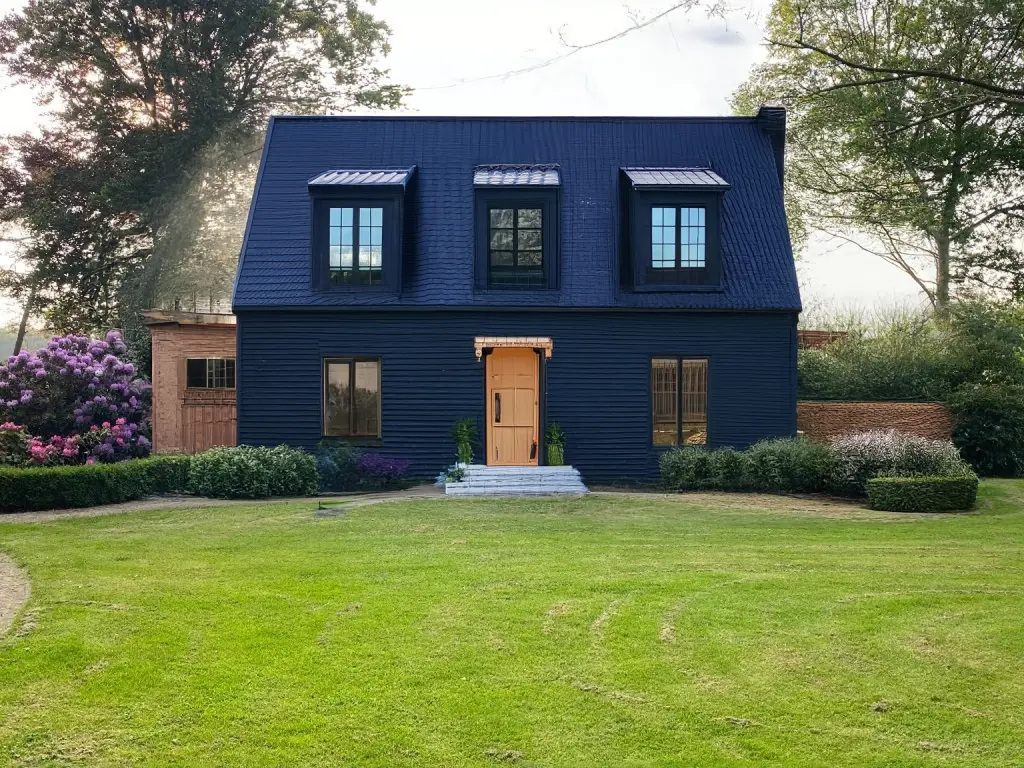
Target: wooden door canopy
[(480, 343)]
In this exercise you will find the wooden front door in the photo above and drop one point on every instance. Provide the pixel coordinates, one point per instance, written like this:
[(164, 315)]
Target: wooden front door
[(513, 412)]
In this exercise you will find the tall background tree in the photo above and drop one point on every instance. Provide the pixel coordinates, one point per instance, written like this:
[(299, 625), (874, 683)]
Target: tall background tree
[(905, 134), (136, 193)]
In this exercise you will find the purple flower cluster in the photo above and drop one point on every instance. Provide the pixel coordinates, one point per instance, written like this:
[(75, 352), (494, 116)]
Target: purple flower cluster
[(377, 469), (78, 399)]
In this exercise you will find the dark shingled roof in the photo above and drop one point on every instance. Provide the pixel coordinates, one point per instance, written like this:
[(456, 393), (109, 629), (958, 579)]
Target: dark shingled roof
[(674, 178), (757, 260)]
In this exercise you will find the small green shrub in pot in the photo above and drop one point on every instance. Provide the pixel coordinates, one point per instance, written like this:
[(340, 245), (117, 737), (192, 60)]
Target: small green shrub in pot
[(554, 438), (248, 472), (465, 434), (922, 494)]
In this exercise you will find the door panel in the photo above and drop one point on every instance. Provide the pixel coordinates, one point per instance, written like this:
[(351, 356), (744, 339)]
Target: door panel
[(513, 414)]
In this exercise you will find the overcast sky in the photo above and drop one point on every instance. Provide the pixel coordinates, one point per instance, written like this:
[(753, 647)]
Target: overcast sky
[(453, 52)]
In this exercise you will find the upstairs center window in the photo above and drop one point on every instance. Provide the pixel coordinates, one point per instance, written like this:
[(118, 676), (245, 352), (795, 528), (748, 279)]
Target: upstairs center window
[(516, 226), (516, 247), (356, 246)]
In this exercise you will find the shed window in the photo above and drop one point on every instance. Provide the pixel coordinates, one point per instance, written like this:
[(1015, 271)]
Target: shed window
[(352, 397), (679, 400), (210, 373), (356, 245)]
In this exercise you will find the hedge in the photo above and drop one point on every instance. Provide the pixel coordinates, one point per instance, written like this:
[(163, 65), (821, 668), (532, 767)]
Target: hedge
[(88, 485), (250, 472), (922, 494)]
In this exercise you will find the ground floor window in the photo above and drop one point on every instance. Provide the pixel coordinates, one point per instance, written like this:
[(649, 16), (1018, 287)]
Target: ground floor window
[(210, 372), (352, 397), (679, 400)]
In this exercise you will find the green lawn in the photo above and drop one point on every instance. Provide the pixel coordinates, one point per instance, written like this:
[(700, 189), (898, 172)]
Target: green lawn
[(606, 631)]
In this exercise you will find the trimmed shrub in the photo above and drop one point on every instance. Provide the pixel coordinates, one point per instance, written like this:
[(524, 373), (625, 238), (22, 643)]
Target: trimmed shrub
[(857, 458), (988, 427), (729, 470), (788, 466), (248, 472), (376, 471), (686, 469), (88, 485), (336, 465), (922, 494), (169, 472)]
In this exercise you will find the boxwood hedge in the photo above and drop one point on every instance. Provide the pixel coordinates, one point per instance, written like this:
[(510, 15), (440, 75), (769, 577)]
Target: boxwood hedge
[(922, 494), (28, 488)]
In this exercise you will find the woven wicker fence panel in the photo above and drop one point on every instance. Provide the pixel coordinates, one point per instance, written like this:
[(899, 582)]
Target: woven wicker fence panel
[(824, 420)]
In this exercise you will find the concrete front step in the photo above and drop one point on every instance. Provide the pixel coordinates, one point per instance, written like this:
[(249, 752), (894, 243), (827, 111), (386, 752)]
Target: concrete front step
[(517, 481)]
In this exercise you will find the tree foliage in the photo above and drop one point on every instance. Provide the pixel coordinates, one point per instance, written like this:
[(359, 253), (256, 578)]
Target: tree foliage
[(159, 112), (924, 172)]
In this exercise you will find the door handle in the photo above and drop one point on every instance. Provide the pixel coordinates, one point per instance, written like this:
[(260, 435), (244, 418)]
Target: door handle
[(533, 451), (497, 407)]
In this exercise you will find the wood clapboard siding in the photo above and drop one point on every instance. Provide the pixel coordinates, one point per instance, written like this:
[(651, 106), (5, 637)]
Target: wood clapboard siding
[(597, 381)]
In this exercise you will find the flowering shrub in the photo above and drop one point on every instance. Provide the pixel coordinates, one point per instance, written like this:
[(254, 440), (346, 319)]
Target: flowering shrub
[(380, 471), (857, 458), (77, 401)]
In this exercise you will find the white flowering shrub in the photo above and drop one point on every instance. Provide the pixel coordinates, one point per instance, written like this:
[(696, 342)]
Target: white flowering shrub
[(859, 457)]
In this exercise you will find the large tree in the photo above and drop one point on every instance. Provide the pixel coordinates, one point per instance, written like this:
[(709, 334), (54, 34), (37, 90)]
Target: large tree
[(926, 172), (159, 109)]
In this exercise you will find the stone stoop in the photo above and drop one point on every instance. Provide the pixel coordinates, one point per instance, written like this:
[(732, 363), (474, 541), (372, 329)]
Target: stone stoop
[(517, 481)]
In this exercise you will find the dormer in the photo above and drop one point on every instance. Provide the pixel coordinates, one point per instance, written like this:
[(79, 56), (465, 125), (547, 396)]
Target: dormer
[(358, 221), (672, 230)]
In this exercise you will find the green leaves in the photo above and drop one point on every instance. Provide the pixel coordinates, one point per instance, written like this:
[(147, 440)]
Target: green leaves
[(162, 107)]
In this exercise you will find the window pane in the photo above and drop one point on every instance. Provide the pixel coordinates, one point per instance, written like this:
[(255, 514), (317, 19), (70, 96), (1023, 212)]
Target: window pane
[(529, 239), (367, 399), (335, 217), (502, 259), (337, 401), (364, 217), (335, 256), (695, 402), (529, 217), (346, 217), (501, 239), (195, 372), (530, 259), (656, 216), (346, 257), (376, 217), (670, 217), (501, 217), (664, 399), (335, 235)]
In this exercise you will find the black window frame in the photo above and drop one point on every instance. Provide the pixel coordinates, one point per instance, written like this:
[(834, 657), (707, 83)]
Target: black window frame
[(680, 395), (639, 273), (230, 365), (351, 361), (392, 200), (548, 201)]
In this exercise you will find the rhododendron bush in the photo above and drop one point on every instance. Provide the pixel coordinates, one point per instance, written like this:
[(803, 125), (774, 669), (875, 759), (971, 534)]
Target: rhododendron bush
[(76, 401)]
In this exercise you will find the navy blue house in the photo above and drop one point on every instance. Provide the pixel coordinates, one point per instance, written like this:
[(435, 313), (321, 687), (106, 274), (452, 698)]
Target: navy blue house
[(630, 279)]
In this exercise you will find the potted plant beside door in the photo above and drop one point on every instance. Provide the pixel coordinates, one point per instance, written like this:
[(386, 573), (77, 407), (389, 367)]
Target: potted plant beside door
[(555, 439), (465, 434)]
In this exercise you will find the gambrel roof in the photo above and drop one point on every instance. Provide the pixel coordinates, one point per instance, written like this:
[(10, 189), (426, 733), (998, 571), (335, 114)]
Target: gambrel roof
[(587, 158)]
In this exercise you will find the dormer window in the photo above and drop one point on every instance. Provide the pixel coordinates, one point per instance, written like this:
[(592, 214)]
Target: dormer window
[(672, 237), (516, 226), (357, 229)]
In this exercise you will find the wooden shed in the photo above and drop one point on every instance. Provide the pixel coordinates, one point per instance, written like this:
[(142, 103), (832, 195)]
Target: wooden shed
[(194, 378)]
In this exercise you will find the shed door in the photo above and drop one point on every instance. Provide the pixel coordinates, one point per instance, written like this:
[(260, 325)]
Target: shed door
[(513, 413)]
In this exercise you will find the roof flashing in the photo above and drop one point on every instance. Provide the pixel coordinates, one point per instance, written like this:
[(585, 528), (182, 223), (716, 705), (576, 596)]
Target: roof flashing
[(382, 177), (702, 179), (539, 175)]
